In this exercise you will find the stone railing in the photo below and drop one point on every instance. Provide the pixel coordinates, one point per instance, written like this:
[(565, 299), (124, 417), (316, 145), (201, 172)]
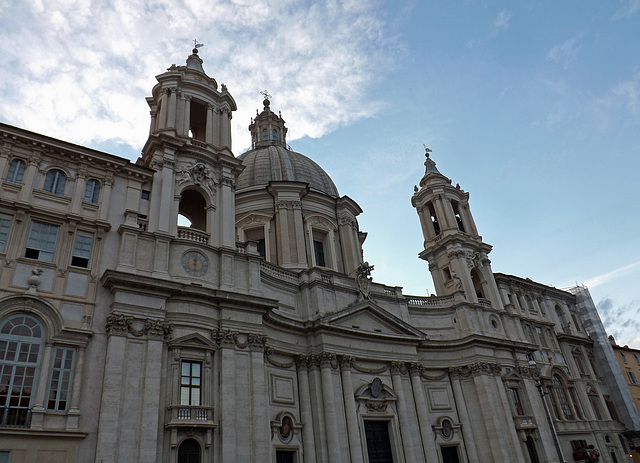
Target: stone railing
[(430, 302), (278, 272), (193, 234)]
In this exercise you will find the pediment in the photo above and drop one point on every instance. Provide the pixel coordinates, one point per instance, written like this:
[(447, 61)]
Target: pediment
[(194, 341), (369, 318)]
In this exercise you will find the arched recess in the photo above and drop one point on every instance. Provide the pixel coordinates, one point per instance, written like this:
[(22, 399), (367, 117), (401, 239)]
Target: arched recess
[(193, 207), (478, 283), (189, 451), (48, 315)]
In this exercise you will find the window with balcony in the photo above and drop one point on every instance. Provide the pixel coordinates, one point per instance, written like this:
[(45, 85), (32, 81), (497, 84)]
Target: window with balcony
[(55, 181), (41, 241), (16, 171), (190, 383), (21, 344)]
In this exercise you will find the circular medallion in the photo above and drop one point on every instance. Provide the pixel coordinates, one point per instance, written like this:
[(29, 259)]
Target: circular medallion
[(194, 263)]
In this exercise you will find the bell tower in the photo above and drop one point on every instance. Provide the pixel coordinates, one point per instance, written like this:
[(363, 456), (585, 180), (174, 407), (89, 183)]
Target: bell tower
[(455, 251), (189, 147)]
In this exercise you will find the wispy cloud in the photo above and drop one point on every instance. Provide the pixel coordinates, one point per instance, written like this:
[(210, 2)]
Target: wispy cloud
[(629, 93), (502, 20), (80, 71), (566, 52), (628, 9), (605, 277)]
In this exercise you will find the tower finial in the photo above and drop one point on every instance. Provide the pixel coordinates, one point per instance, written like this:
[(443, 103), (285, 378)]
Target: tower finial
[(196, 45), (427, 150)]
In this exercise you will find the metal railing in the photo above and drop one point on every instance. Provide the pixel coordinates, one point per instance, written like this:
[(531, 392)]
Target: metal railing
[(15, 417)]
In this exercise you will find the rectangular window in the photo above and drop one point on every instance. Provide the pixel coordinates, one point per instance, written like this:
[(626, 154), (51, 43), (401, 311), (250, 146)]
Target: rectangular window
[(41, 243), (516, 401), (5, 226), (318, 249), (5, 456), (190, 383), (632, 377), (82, 250), (145, 195), (285, 456), (593, 399), (61, 375), (541, 336)]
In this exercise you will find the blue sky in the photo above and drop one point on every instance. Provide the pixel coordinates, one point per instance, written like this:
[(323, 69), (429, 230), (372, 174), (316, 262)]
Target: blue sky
[(532, 107)]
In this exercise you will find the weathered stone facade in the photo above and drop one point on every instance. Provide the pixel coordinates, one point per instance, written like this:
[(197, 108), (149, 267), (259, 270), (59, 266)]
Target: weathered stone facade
[(256, 333)]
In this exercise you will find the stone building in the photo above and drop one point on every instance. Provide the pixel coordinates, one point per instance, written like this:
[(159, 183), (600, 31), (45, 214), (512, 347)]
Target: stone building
[(256, 333)]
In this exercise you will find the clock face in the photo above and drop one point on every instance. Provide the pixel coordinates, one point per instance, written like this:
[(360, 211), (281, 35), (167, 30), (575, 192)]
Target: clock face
[(194, 263)]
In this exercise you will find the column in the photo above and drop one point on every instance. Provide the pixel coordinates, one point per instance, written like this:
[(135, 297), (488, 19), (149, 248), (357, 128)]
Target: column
[(405, 424), (355, 445), (79, 190), (330, 415), (461, 407), (186, 123), (260, 398), (426, 431), (171, 116), (29, 178), (315, 388), (282, 223), (39, 406), (208, 138), (164, 102), (308, 444), (107, 183), (228, 429)]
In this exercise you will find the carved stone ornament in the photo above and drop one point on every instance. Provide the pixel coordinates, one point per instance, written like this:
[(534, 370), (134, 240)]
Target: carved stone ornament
[(198, 174), (123, 324)]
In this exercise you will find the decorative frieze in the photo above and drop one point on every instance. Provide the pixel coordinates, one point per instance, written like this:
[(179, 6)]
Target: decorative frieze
[(198, 174), (238, 340), (125, 325)]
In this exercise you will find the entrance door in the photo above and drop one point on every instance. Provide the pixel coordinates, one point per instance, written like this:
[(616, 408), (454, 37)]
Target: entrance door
[(378, 443), (531, 448), (449, 454)]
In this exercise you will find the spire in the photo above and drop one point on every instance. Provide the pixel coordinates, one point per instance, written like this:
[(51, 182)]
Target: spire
[(429, 163), (267, 128), (194, 61)]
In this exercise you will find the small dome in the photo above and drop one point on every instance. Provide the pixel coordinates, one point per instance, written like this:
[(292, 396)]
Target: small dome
[(277, 163)]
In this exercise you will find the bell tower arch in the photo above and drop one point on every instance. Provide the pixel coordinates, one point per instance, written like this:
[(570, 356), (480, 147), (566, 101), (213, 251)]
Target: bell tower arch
[(455, 251), (189, 147)]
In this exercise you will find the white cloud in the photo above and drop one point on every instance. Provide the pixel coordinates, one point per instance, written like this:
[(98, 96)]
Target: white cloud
[(503, 19), (629, 8), (566, 52), (608, 276), (629, 92), (80, 70)]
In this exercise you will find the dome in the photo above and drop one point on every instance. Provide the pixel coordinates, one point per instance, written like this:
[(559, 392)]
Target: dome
[(277, 163)]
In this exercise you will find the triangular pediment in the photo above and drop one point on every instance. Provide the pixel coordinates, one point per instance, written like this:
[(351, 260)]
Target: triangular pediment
[(194, 341), (368, 317)]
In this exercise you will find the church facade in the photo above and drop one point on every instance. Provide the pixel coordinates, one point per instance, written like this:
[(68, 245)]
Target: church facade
[(251, 329)]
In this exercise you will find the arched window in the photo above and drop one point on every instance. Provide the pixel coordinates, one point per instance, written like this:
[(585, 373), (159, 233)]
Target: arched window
[(189, 451), (477, 283), (55, 182), (193, 208), (562, 395), (265, 137), (16, 171), (434, 219), (92, 192), (562, 319), (20, 349), (275, 136)]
